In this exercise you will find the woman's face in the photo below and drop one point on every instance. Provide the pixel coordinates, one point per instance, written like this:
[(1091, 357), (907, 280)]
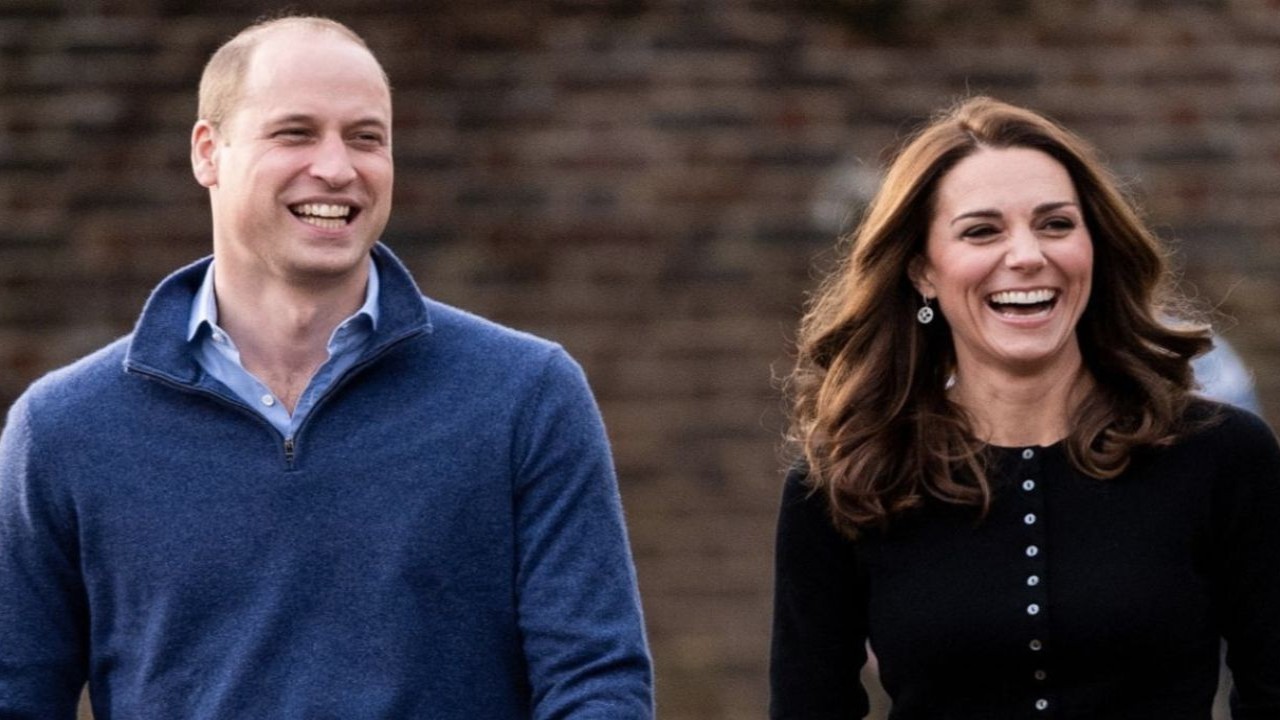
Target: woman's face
[(1010, 261)]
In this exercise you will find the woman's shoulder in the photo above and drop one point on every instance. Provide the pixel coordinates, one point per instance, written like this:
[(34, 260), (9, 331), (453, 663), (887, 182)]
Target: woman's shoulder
[(1229, 444), (1211, 425), (799, 492)]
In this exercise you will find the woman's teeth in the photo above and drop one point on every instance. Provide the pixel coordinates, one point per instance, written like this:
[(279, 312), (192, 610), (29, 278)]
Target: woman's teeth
[(1022, 297), (1022, 302)]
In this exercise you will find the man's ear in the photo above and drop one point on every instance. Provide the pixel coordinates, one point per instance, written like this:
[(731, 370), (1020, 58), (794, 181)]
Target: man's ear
[(204, 153), (918, 272)]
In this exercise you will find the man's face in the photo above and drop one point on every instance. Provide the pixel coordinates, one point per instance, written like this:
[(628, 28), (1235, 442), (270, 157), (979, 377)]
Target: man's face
[(300, 172)]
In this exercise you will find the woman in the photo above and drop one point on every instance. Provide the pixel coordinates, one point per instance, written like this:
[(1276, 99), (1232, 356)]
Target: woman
[(1007, 486)]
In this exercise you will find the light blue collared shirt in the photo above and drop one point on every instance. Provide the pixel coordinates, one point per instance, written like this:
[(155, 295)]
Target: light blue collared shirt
[(217, 354)]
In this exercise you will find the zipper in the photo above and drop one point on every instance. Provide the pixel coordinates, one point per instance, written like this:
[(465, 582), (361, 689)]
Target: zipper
[(337, 384), (289, 443), (233, 403)]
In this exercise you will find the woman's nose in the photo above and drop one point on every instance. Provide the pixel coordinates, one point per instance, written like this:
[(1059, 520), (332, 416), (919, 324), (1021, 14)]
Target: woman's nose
[(1024, 251)]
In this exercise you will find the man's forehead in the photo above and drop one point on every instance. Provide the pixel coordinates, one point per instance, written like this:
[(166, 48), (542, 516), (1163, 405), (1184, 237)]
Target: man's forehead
[(313, 73), (291, 47)]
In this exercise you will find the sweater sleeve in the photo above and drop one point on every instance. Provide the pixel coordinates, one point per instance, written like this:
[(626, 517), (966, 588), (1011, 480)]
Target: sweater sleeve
[(43, 625), (579, 607), (1247, 519), (819, 614)]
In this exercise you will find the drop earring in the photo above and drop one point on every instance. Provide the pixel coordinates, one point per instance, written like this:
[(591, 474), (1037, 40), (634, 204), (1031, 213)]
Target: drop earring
[(925, 313)]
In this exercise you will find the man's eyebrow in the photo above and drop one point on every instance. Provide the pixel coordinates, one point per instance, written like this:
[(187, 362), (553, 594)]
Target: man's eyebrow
[(371, 121), (301, 118), (305, 119)]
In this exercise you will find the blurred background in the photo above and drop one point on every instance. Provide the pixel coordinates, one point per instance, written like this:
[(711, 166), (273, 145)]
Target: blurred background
[(652, 183)]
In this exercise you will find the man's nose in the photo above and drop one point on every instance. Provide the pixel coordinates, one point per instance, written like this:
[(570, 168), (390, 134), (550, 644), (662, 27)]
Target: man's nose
[(332, 162)]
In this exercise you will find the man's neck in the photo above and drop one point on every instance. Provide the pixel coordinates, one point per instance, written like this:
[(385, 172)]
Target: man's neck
[(282, 331)]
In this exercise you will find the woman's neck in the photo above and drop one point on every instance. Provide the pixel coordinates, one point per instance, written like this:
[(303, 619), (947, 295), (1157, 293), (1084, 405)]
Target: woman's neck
[(1013, 410)]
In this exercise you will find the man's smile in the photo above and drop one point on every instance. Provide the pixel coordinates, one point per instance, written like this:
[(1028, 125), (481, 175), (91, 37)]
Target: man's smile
[(325, 216)]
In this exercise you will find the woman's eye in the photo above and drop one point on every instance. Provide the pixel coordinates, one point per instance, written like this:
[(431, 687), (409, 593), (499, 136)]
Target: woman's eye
[(980, 232), (1061, 225)]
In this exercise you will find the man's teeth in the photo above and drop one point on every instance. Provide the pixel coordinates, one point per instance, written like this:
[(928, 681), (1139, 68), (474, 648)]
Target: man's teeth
[(326, 223), (323, 210), (323, 215), (1023, 297)]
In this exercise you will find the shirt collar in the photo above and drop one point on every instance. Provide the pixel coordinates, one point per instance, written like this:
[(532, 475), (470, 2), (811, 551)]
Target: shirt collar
[(204, 307), (371, 291)]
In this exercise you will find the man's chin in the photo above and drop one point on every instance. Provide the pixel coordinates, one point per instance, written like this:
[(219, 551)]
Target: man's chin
[(332, 266)]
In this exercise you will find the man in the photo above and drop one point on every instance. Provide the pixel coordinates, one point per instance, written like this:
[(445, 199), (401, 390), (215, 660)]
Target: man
[(300, 489)]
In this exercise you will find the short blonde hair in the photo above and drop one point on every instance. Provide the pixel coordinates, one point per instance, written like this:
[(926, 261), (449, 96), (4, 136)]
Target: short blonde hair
[(223, 78)]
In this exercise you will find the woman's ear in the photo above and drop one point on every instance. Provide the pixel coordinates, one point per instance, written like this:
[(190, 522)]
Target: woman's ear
[(918, 273)]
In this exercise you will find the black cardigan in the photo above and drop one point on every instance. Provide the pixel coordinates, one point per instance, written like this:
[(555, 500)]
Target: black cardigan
[(1074, 598)]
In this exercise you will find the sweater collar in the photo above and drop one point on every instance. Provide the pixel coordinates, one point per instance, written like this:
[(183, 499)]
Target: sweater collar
[(159, 345)]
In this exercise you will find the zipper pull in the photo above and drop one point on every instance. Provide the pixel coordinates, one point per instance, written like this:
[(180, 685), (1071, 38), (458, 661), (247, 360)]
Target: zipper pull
[(288, 450)]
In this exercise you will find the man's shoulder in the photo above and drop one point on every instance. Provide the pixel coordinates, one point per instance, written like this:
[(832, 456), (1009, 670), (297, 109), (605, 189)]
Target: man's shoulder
[(84, 383), (91, 372), (476, 335), (466, 348)]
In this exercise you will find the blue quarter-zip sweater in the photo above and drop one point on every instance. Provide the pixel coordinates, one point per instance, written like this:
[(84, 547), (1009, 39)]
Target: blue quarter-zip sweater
[(443, 538)]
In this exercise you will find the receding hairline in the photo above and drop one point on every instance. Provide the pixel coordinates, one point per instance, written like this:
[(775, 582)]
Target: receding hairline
[(222, 81)]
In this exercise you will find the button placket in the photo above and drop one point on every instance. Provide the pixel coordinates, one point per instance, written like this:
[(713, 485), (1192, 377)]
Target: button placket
[(1034, 592)]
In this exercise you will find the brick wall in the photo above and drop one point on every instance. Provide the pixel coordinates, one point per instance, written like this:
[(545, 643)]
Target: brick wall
[(648, 182)]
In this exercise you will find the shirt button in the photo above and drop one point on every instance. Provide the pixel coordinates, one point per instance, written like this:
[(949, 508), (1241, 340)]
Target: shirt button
[(1028, 454), (1032, 551), (1042, 704), (1029, 518), (1033, 609), (1033, 580), (268, 400), (1035, 645), (1041, 675), (1028, 485), (219, 337)]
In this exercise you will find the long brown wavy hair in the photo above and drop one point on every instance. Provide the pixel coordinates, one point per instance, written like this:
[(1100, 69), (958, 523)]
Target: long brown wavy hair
[(869, 404)]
